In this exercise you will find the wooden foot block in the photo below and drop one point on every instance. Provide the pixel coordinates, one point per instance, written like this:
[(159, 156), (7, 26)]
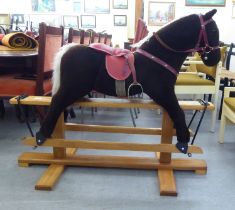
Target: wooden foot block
[(200, 172), (50, 177), (23, 165), (167, 182)]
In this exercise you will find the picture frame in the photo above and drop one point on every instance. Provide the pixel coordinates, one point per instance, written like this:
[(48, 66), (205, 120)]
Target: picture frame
[(120, 20), (208, 3), (160, 13), (120, 4), (88, 21), (70, 21), (96, 7), (233, 9), (18, 17), (5, 19), (43, 6), (52, 20), (77, 6)]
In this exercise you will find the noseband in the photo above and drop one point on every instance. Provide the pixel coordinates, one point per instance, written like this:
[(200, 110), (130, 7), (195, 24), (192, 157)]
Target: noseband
[(206, 49)]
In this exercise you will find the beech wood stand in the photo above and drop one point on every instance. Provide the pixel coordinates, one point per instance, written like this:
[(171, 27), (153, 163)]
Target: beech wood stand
[(64, 150)]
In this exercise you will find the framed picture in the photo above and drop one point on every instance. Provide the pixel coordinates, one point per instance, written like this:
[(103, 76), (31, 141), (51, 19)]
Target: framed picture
[(160, 13), (77, 6), (88, 21), (70, 21), (94, 6), (120, 20), (233, 9), (43, 5), (5, 19), (214, 3), (120, 4), (19, 18), (52, 20)]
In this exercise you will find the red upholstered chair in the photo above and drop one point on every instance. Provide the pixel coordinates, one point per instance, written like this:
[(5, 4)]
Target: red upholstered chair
[(76, 36), (94, 37), (87, 38), (102, 38), (50, 41), (108, 40)]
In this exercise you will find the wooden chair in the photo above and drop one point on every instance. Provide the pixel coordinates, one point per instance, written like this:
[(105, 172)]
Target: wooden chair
[(94, 37), (228, 112), (109, 39), (226, 82), (76, 36), (196, 83), (50, 41), (102, 38), (86, 38)]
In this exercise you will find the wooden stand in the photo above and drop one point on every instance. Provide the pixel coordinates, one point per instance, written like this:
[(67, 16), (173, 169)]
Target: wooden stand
[(64, 150)]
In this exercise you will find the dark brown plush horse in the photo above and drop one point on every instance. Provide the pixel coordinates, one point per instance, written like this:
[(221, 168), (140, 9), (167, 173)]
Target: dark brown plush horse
[(81, 69)]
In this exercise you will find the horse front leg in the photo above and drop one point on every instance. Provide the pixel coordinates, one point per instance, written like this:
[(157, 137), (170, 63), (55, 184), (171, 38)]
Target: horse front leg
[(58, 104), (171, 105)]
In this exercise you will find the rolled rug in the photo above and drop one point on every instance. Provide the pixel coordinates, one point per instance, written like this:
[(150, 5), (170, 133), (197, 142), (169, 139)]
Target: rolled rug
[(19, 41)]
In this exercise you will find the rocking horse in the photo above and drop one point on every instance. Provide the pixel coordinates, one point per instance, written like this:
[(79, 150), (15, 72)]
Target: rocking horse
[(152, 68)]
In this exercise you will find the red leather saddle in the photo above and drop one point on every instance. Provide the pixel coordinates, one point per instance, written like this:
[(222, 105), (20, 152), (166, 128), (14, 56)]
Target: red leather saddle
[(119, 62)]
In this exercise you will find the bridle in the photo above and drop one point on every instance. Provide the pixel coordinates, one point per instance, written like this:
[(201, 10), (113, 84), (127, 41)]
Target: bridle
[(206, 49), (202, 50)]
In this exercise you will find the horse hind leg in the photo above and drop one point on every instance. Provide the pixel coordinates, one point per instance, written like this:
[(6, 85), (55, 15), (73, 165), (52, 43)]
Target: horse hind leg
[(58, 104)]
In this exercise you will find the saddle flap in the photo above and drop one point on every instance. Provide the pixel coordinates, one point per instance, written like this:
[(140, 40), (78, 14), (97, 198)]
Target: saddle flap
[(117, 67)]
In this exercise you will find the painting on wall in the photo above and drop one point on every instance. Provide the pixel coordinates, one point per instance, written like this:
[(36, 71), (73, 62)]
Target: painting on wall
[(233, 9), (70, 21), (213, 3), (120, 4), (51, 20), (18, 18), (5, 19), (120, 20), (88, 21), (160, 13), (94, 6), (43, 5), (77, 6)]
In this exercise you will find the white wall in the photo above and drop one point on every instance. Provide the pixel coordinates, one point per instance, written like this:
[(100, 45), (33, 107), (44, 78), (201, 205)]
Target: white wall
[(103, 21), (121, 33)]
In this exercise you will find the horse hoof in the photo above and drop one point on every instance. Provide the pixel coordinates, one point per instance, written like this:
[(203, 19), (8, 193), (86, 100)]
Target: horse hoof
[(40, 138), (182, 147)]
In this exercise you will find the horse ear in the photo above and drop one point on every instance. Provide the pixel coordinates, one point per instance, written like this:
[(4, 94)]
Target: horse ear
[(210, 14)]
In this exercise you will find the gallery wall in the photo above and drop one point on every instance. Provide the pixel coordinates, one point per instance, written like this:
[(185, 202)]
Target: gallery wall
[(224, 19)]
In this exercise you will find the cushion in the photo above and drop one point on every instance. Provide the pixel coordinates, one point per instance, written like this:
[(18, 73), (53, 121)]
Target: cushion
[(192, 79), (9, 86), (230, 102)]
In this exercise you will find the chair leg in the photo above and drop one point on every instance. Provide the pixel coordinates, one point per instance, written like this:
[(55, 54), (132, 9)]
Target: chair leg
[(221, 105), (214, 112), (2, 108), (132, 117), (222, 128)]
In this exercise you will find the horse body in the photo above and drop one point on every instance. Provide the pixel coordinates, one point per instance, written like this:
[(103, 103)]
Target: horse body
[(82, 69)]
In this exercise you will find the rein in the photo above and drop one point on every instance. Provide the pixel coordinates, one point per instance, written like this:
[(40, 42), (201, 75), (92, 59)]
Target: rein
[(158, 60), (202, 36)]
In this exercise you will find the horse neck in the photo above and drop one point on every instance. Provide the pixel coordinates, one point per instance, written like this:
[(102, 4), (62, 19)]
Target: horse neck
[(172, 58)]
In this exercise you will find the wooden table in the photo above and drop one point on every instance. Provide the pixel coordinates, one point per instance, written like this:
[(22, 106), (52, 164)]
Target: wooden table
[(18, 61), (21, 62)]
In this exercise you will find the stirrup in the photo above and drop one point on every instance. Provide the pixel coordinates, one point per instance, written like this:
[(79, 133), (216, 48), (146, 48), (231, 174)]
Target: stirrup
[(135, 84)]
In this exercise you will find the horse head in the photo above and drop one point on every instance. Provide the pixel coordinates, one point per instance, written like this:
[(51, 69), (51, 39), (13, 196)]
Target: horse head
[(210, 52), (192, 33)]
